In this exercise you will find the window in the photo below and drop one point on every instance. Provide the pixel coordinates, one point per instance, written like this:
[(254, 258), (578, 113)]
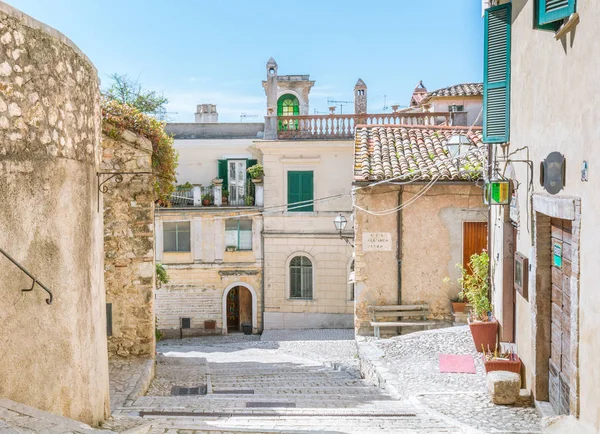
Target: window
[(176, 236), (456, 108), (351, 282), (238, 234), (496, 74), (548, 12), (301, 278), (288, 105), (300, 189), (236, 186)]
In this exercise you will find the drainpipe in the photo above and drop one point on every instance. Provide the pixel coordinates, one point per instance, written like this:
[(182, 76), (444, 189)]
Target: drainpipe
[(399, 251), (262, 286), (489, 247)]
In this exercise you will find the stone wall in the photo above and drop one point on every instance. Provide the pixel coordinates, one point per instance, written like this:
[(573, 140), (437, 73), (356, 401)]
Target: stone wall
[(129, 243), (53, 356)]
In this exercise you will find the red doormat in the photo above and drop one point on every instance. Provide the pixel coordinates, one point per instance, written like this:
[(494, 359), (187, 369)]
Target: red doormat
[(457, 363)]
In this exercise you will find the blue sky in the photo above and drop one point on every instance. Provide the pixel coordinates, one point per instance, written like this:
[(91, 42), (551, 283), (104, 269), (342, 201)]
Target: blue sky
[(199, 51)]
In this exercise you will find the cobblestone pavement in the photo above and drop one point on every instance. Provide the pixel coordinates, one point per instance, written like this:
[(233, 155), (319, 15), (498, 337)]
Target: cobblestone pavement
[(409, 366), (128, 379), (292, 381)]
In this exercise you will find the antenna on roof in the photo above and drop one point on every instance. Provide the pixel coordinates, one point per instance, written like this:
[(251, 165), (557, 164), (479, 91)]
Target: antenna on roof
[(340, 103), (246, 116), (385, 106)]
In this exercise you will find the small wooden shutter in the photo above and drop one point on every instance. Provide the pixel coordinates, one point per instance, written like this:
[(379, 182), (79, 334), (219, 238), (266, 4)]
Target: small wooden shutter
[(496, 77), (474, 240), (222, 166), (554, 10), (300, 188)]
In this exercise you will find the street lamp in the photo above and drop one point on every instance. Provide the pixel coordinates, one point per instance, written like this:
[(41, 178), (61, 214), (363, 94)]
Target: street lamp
[(457, 144), (340, 223)]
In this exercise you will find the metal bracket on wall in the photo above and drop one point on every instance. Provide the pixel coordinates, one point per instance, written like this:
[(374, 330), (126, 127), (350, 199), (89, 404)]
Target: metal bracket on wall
[(50, 296), (118, 177)]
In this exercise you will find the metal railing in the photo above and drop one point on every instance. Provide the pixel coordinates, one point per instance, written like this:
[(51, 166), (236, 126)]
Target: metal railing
[(35, 280)]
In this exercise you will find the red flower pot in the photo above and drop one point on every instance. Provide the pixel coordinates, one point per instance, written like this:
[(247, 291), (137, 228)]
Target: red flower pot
[(484, 333), (502, 365), (458, 306)]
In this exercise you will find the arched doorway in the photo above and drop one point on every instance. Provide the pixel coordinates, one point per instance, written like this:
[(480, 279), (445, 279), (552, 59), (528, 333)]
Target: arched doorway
[(239, 307)]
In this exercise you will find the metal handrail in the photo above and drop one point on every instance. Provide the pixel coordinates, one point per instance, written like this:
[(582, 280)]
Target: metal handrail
[(35, 280)]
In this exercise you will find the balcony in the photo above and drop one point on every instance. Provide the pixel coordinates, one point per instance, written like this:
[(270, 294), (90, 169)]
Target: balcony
[(341, 127), (248, 195)]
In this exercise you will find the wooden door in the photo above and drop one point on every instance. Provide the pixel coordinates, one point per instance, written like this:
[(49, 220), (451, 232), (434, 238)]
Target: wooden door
[(233, 309), (560, 336), (245, 306), (474, 240)]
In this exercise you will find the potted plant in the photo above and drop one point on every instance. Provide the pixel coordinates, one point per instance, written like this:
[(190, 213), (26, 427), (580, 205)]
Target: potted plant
[(256, 172), (247, 328), (207, 199), (225, 196), (459, 303), (501, 361), (249, 201), (231, 248), (474, 281)]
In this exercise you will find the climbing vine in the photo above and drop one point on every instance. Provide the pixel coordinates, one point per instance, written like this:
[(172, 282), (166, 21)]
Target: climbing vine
[(164, 156)]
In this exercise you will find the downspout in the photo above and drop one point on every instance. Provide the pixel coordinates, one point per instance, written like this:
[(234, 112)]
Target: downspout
[(399, 251), (490, 223), (262, 286)]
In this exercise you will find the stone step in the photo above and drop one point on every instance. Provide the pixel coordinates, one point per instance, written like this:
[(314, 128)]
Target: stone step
[(20, 418)]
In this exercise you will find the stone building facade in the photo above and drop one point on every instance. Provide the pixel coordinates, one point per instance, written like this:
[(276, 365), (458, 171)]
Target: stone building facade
[(411, 231), (53, 355), (128, 243), (550, 229)]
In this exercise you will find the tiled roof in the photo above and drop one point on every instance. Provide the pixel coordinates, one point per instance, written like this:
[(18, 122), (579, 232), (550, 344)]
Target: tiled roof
[(419, 93), (464, 89), (414, 152)]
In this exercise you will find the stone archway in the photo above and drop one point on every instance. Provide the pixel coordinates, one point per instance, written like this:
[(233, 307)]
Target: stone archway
[(254, 304)]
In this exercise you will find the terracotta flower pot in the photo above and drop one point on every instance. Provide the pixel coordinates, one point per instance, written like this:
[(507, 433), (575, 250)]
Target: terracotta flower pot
[(484, 333), (458, 306), (205, 202), (502, 365)]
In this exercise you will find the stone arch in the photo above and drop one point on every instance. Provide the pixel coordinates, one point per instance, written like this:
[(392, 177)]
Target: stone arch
[(254, 305)]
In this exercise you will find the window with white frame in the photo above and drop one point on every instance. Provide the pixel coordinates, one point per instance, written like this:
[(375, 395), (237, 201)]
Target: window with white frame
[(238, 234), (351, 281), (301, 278), (176, 237)]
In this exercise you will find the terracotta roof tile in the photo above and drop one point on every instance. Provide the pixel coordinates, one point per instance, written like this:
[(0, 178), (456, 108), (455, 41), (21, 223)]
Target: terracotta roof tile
[(414, 152), (463, 89)]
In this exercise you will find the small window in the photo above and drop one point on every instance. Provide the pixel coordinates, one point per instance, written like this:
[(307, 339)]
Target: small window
[(351, 283), (301, 278), (176, 236), (548, 12), (456, 108), (238, 234), (186, 323)]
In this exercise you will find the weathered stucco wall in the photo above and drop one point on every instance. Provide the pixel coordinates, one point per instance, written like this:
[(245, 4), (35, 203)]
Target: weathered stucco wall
[(432, 242), (129, 243), (199, 278), (54, 356), (542, 72), (432, 245)]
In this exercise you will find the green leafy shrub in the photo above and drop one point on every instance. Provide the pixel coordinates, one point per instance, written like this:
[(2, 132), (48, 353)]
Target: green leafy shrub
[(475, 284), (164, 156), (257, 171), (161, 275)]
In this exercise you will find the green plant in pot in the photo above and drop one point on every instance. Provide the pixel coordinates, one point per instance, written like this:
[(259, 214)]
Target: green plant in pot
[(207, 199), (475, 283), (256, 172), (459, 303), (225, 196)]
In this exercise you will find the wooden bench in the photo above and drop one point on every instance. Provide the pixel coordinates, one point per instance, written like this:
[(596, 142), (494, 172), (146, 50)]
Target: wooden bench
[(418, 311)]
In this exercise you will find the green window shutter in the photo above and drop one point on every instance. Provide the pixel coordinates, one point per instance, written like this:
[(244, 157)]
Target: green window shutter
[(496, 75), (250, 163), (222, 166), (300, 188), (550, 11)]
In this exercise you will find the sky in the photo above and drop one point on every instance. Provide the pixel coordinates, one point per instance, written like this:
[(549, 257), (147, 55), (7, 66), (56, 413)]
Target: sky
[(199, 51)]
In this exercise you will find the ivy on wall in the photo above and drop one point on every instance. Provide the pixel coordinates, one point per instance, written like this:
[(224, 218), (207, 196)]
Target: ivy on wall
[(164, 156)]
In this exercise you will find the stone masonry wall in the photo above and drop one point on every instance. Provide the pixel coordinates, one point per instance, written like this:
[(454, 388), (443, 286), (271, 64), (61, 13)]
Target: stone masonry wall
[(53, 356), (129, 243)]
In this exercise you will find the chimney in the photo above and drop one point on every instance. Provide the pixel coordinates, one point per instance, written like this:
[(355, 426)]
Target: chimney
[(207, 114), (360, 97)]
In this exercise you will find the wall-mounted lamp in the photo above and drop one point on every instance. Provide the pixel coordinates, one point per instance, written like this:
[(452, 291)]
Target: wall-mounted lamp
[(340, 223)]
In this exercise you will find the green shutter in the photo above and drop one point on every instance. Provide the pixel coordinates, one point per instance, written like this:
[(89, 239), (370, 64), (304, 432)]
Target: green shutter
[(222, 165), (496, 75), (250, 163), (300, 188), (550, 11)]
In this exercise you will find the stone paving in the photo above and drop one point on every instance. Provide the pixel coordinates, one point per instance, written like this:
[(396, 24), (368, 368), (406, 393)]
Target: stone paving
[(129, 378), (407, 366)]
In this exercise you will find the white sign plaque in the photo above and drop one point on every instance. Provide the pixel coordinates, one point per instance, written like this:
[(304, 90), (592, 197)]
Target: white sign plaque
[(377, 241)]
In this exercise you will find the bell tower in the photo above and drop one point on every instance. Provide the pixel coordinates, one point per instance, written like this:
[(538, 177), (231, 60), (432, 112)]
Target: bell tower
[(360, 97)]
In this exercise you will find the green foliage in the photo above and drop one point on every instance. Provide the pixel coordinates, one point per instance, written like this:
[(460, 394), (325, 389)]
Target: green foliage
[(257, 171), (161, 275), (209, 197), (164, 155), (186, 186), (249, 201), (157, 332), (125, 90), (225, 193), (475, 285)]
